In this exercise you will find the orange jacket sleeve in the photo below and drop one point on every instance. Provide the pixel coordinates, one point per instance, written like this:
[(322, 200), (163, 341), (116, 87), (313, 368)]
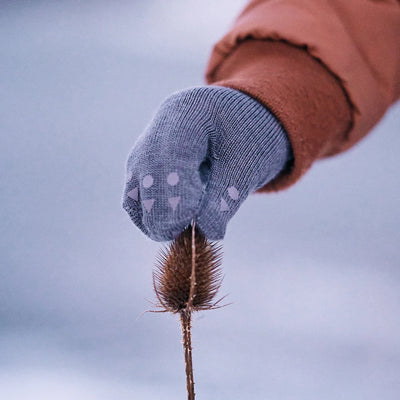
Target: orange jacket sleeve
[(328, 69)]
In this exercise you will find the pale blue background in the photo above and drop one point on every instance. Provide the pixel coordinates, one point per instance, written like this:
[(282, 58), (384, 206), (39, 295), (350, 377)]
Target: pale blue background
[(313, 272)]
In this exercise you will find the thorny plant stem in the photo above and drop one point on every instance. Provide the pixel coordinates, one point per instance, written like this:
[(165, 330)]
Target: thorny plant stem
[(193, 272), (186, 322), (187, 346)]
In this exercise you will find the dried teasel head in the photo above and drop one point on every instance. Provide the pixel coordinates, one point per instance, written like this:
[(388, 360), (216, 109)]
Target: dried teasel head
[(176, 286)]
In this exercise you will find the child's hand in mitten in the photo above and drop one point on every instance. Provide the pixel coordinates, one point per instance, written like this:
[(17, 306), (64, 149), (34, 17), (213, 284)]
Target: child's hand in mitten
[(205, 150)]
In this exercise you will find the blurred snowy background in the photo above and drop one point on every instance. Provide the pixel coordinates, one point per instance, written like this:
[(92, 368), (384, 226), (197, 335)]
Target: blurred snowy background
[(313, 272)]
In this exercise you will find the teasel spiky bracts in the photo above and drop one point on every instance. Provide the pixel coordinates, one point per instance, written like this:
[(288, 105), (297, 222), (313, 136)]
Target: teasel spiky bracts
[(186, 279)]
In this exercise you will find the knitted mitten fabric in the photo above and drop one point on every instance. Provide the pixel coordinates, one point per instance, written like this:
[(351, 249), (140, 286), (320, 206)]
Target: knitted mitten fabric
[(205, 150)]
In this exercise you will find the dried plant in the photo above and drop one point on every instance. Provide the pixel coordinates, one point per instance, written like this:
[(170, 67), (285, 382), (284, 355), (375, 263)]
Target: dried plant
[(186, 279)]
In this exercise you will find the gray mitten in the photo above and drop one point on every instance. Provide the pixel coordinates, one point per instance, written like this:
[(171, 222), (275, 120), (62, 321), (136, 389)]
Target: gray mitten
[(205, 150)]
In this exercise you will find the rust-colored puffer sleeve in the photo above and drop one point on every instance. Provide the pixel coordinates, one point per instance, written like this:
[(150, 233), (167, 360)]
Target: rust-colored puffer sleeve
[(328, 69)]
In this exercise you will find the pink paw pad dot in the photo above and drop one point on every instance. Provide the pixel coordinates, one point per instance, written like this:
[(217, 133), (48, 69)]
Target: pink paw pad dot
[(147, 181), (233, 193), (224, 205), (133, 194), (148, 204), (173, 178), (174, 201)]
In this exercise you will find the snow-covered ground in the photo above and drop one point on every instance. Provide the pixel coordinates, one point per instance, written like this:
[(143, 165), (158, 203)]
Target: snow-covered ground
[(313, 272)]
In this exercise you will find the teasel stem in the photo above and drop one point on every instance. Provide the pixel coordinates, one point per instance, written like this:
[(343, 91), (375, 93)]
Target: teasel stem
[(193, 273), (187, 346), (186, 321)]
